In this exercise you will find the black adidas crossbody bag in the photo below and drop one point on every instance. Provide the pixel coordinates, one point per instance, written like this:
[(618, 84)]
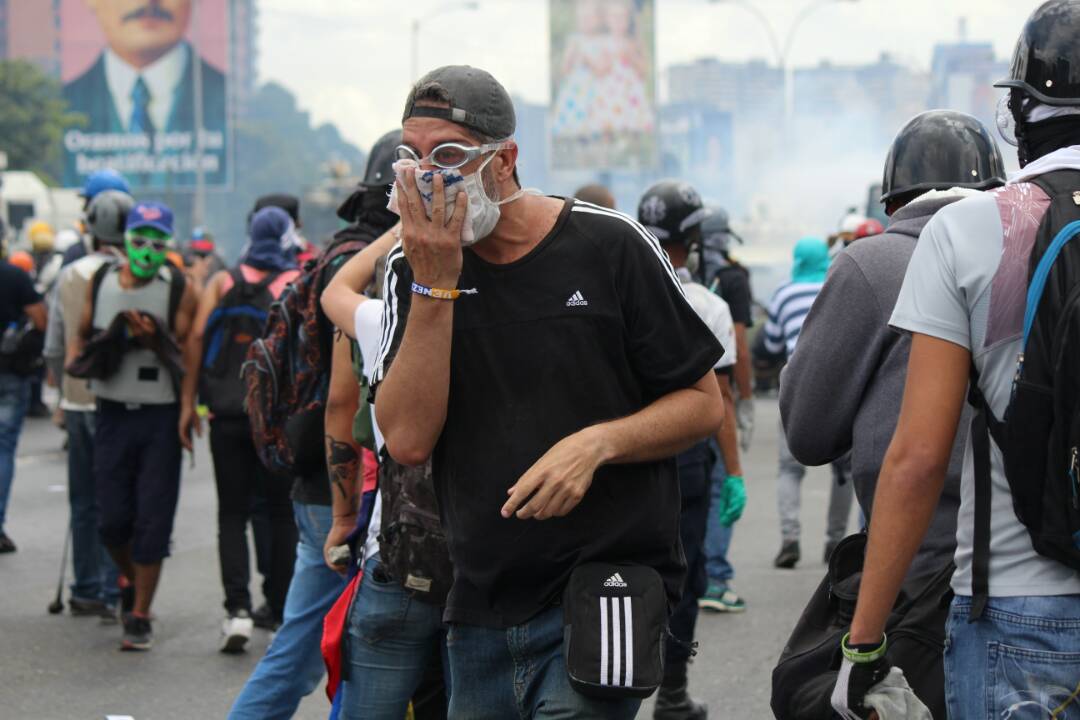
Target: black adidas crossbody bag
[(615, 619)]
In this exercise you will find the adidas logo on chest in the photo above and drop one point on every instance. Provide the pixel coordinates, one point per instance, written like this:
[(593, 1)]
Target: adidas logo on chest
[(577, 300), (616, 580)]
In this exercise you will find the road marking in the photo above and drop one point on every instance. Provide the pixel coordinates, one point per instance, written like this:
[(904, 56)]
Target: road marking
[(39, 458)]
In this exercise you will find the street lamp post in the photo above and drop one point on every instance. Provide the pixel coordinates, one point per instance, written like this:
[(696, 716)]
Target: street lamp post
[(415, 27), (783, 53)]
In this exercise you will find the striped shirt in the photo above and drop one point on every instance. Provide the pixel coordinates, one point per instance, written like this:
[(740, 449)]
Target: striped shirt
[(787, 311)]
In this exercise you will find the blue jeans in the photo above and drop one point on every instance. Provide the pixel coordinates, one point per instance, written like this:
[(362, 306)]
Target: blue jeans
[(293, 664), (14, 401), (1021, 660), (519, 672), (717, 537), (391, 636), (95, 572)]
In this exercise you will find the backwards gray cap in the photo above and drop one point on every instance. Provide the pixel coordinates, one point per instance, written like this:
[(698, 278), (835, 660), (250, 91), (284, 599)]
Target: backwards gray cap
[(477, 101)]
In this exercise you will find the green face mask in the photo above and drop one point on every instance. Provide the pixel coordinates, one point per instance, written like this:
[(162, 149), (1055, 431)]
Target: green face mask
[(146, 251)]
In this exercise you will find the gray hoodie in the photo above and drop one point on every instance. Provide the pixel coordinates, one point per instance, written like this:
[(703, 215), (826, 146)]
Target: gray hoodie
[(842, 387)]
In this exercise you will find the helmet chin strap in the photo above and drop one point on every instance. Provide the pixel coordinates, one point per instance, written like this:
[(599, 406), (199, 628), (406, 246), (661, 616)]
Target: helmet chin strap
[(1016, 105)]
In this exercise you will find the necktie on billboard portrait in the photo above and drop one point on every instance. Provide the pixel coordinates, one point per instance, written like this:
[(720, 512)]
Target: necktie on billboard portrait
[(140, 108)]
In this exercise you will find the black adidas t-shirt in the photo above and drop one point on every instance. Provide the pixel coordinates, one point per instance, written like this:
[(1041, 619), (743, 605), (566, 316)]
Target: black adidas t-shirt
[(590, 326)]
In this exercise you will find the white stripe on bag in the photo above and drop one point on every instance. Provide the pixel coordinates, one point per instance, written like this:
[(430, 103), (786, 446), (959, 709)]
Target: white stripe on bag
[(603, 641), (629, 682), (617, 644)]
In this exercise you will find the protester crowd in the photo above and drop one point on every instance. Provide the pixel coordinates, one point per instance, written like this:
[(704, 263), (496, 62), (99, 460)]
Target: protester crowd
[(489, 441)]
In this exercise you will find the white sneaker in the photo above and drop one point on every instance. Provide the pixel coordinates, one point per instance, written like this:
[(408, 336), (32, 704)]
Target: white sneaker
[(236, 631)]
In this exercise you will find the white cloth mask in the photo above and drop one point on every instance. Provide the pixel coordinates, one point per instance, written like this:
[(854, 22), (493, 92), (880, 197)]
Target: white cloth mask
[(481, 214)]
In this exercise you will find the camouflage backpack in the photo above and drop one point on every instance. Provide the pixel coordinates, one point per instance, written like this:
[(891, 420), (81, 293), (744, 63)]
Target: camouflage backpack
[(412, 546), (287, 374)]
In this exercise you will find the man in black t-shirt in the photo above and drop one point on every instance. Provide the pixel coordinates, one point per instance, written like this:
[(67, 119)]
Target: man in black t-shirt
[(18, 301), (551, 395)]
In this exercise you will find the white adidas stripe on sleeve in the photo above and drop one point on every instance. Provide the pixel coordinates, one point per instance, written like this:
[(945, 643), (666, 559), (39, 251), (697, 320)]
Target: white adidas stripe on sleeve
[(645, 235), (391, 315)]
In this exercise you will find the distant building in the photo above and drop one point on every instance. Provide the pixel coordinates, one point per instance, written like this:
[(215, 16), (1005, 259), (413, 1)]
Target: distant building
[(963, 76), (40, 46), (697, 145), (746, 89), (532, 138), (243, 53)]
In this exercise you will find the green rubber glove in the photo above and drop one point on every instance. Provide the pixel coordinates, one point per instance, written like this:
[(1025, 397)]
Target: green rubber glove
[(734, 500)]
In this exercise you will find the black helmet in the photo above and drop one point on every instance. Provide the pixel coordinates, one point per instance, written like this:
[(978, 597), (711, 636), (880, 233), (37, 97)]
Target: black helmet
[(669, 209), (716, 232), (1046, 62), (380, 163), (942, 149)]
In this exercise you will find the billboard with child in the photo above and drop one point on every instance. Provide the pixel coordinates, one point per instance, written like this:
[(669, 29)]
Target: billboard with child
[(603, 114)]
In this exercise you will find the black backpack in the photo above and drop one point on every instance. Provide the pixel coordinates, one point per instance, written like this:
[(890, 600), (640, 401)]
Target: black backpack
[(235, 323), (1039, 436), (21, 347), (412, 546), (805, 674)]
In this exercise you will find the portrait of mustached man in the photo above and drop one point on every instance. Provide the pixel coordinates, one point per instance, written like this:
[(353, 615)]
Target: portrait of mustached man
[(143, 80)]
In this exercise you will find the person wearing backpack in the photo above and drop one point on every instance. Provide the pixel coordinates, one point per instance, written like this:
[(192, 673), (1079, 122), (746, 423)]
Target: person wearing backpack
[(672, 211), (990, 296), (137, 450), (21, 311), (731, 281), (288, 423), (394, 625), (833, 401), (232, 312), (94, 590)]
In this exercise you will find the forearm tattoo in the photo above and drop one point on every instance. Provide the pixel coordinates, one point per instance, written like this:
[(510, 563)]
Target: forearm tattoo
[(343, 464)]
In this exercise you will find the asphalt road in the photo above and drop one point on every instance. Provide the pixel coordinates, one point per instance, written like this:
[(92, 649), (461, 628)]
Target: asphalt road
[(60, 667)]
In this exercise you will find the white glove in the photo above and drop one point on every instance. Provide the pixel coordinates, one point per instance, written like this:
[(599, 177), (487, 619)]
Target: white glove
[(744, 418)]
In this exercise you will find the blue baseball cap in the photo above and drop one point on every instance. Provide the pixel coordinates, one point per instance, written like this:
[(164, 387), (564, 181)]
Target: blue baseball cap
[(107, 179), (151, 215)]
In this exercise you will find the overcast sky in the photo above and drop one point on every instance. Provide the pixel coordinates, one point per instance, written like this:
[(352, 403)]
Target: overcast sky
[(348, 61)]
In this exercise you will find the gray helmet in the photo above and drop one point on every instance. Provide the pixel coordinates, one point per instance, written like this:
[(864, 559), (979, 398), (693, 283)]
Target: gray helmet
[(107, 215), (716, 232)]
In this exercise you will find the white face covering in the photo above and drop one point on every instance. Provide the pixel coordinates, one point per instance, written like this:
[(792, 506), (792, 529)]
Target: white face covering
[(482, 213)]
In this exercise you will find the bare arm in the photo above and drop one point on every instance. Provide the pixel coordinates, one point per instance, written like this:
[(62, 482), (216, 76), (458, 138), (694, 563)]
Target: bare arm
[(346, 291), (193, 354), (343, 453), (185, 314), (726, 437), (668, 426), (38, 315), (411, 403), (86, 323), (911, 478), (193, 346)]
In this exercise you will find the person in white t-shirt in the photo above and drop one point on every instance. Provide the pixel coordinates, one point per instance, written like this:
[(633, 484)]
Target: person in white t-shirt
[(1013, 633), (672, 211), (387, 669)]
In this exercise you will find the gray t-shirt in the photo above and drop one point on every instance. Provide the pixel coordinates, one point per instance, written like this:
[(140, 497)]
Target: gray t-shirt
[(966, 284)]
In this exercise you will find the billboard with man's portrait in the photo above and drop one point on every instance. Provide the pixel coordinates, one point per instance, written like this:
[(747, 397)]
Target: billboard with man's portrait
[(602, 85), (133, 70)]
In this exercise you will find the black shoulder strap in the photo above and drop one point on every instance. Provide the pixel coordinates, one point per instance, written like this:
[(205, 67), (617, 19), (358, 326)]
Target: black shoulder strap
[(95, 286), (980, 561), (177, 284), (1058, 182)]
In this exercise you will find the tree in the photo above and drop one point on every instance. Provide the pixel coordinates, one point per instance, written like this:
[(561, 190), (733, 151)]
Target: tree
[(33, 115)]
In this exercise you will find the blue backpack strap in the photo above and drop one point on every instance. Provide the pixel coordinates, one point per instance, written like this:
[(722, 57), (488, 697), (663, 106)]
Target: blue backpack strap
[(1042, 272)]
